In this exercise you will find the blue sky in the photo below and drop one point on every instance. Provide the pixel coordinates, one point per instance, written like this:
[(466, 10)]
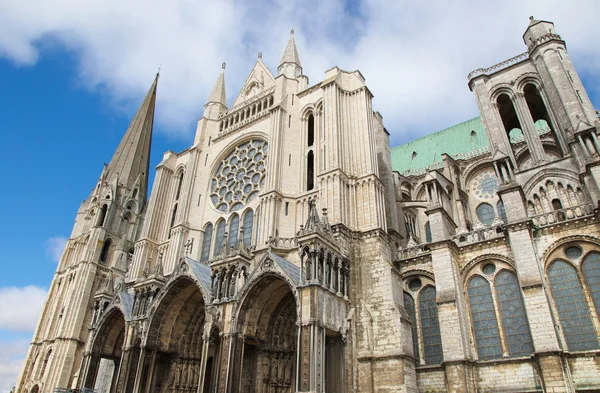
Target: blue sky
[(72, 75)]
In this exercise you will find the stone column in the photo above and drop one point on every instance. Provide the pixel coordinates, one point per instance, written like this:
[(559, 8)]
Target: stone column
[(140, 367), (150, 376), (205, 346)]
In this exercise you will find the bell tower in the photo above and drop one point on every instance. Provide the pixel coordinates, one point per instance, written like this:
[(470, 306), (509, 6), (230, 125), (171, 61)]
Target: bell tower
[(96, 257)]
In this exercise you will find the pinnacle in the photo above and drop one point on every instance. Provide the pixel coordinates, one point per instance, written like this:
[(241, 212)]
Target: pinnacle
[(218, 94), (291, 52)]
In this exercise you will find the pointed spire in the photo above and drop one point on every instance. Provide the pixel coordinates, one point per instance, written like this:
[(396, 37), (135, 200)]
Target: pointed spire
[(291, 52), (218, 93), (132, 157)]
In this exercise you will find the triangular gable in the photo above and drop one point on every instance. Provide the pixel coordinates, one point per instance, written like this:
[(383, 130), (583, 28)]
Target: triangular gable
[(272, 262), (201, 272), (126, 300), (260, 78)]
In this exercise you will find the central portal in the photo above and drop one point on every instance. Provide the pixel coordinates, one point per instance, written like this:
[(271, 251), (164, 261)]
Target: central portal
[(268, 321)]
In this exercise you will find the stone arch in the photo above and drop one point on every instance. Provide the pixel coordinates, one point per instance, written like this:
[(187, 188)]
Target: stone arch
[(176, 336), (106, 354), (267, 319), (549, 254), (464, 271)]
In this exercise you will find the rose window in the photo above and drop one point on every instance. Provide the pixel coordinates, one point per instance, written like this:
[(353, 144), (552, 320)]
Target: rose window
[(485, 185), (240, 176)]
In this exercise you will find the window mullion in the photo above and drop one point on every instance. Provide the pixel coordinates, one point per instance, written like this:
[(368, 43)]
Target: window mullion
[(501, 333)]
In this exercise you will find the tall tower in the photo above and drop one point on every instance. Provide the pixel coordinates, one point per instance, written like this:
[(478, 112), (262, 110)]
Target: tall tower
[(94, 260)]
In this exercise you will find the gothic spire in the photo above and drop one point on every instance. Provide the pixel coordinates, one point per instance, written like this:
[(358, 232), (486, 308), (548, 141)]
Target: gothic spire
[(132, 157), (291, 52), (218, 95)]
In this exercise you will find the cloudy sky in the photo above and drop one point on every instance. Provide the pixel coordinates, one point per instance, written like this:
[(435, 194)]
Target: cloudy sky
[(73, 72)]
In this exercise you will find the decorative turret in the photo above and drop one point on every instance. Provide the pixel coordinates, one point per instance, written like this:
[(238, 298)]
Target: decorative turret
[(217, 101), (290, 61)]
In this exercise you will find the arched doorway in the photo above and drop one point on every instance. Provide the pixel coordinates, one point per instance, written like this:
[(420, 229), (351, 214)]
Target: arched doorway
[(106, 353), (175, 341), (267, 320)]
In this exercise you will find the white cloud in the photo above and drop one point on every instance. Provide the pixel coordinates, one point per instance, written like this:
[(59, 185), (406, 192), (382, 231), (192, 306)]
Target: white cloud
[(21, 307), (12, 355), (55, 247), (415, 55)]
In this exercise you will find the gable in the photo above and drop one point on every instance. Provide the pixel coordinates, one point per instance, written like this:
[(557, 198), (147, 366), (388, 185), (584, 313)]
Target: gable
[(259, 80)]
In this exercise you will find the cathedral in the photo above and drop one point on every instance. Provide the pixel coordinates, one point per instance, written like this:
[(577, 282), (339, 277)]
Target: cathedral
[(291, 249)]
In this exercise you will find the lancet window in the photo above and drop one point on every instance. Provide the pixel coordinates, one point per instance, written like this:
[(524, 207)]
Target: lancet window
[(498, 316), (206, 242), (421, 306), (575, 285)]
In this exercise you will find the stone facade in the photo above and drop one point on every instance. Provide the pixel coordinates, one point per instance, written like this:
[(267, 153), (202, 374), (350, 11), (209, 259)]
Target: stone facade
[(284, 252)]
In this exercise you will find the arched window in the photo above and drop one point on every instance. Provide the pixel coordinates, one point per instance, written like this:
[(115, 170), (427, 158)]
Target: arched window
[(234, 227), (45, 364), (428, 237), (432, 340), (104, 252), (102, 215), (248, 222), (179, 183), (219, 237), (538, 111), (421, 306), (310, 171), (514, 321), (310, 137), (135, 192), (206, 241), (591, 271), (409, 305), (502, 212), (173, 216), (507, 307), (485, 213), (485, 326), (573, 310)]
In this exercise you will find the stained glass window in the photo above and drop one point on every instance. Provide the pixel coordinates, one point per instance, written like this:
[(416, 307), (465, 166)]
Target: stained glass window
[(572, 308), (234, 227), (428, 232), (591, 270), (485, 185), (240, 176), (502, 211), (409, 305), (219, 237), (248, 222), (487, 337), (512, 311), (205, 254), (486, 213), (432, 340)]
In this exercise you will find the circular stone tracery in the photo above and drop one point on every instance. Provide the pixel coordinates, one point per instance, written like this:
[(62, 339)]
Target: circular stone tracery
[(240, 176), (485, 185)]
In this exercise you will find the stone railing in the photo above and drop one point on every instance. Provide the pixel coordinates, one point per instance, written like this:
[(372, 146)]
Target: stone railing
[(498, 67), (242, 114), (414, 251), (563, 215), (478, 235), (286, 243)]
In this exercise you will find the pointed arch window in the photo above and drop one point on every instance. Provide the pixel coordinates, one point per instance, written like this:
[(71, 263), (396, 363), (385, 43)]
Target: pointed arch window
[(102, 215), (310, 136), (421, 306), (219, 237), (428, 237), (45, 364), (179, 184), (206, 241), (498, 313), (234, 227), (591, 272), (432, 339), (573, 311), (248, 222), (104, 254), (310, 171)]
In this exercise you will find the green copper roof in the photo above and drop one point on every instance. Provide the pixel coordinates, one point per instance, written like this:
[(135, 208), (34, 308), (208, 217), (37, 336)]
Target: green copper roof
[(463, 140)]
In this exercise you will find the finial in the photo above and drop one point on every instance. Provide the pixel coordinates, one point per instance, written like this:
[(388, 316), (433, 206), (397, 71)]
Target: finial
[(260, 55), (531, 18), (292, 32), (158, 72), (223, 65)]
